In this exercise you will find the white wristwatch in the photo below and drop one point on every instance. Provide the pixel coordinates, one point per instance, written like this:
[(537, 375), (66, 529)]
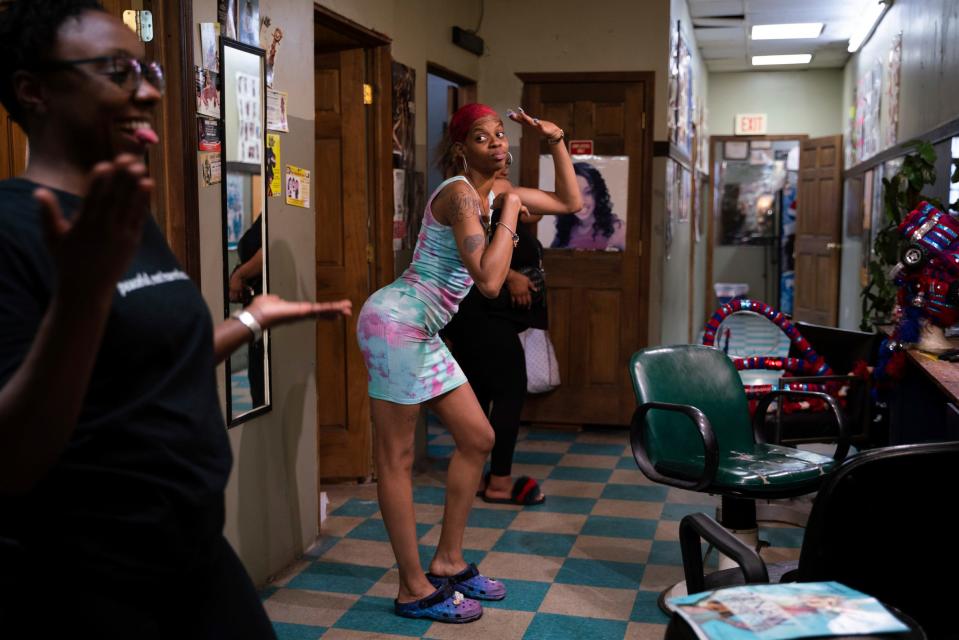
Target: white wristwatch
[(250, 322)]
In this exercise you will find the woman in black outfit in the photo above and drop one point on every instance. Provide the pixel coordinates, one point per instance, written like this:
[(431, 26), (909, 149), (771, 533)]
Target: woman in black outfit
[(485, 342)]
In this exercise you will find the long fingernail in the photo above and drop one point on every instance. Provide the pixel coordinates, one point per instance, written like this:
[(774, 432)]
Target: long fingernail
[(521, 109), (510, 112), (535, 120)]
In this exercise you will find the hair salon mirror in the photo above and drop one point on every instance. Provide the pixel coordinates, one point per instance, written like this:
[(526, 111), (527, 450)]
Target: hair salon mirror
[(245, 220)]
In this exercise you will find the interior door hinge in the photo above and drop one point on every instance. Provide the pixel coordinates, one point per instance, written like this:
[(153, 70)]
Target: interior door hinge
[(141, 22), (369, 253), (367, 93)]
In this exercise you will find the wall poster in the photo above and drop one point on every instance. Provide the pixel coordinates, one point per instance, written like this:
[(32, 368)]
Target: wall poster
[(249, 119), (601, 224)]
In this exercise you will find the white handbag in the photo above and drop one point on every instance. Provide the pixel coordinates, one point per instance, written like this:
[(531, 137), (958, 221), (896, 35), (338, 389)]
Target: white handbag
[(542, 369)]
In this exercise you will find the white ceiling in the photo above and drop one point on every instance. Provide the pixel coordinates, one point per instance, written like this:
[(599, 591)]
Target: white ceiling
[(722, 31)]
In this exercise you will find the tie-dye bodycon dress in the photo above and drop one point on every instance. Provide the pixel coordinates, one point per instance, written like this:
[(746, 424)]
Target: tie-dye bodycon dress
[(398, 326)]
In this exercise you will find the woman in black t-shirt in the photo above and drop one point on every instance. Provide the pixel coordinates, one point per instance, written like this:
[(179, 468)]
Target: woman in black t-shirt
[(113, 451)]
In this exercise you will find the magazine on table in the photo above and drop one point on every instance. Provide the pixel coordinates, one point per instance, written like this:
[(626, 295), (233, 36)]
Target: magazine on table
[(781, 611)]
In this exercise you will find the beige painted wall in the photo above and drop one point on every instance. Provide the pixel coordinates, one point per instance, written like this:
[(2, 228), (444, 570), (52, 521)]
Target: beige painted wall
[(272, 512), (807, 102)]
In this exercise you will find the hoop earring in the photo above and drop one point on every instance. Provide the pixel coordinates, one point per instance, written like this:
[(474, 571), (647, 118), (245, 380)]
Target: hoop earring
[(509, 158), (465, 166)]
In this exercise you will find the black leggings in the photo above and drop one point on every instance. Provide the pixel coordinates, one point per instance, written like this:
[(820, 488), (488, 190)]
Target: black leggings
[(488, 350)]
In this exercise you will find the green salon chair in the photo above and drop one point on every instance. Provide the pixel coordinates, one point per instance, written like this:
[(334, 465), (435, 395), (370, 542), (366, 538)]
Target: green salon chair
[(692, 430)]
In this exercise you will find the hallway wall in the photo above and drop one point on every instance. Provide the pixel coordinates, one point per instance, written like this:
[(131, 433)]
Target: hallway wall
[(271, 498)]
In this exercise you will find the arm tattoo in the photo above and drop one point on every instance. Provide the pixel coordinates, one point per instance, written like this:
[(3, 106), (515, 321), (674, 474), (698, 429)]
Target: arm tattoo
[(473, 242), (463, 205)]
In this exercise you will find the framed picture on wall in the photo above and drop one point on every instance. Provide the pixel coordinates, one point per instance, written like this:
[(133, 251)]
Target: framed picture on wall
[(735, 150)]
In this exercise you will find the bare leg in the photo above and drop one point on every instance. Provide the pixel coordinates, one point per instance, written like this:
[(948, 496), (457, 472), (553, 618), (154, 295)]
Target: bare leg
[(394, 433), (473, 435)]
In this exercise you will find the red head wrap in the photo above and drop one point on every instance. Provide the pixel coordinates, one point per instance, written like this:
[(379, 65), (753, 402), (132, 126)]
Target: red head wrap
[(464, 118)]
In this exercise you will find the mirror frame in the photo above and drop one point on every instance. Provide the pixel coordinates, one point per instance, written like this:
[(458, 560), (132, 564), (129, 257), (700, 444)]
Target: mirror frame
[(233, 167)]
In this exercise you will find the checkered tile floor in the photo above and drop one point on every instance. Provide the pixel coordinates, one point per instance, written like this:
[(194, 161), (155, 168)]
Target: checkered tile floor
[(589, 563)]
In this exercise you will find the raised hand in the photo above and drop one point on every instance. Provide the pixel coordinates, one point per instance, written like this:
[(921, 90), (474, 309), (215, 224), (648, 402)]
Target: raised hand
[(547, 129), (93, 249)]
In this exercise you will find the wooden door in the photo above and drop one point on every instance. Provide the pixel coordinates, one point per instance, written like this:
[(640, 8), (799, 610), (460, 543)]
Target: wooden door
[(819, 231), (598, 301), (343, 210), (13, 147)]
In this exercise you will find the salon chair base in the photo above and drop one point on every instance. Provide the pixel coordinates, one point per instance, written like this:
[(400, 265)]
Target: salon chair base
[(778, 572)]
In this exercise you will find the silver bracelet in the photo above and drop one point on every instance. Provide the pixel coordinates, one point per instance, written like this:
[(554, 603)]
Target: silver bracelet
[(249, 321), (513, 233), (558, 139)]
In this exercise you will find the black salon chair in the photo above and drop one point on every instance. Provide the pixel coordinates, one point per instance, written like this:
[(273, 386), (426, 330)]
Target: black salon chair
[(878, 525), (692, 430), (842, 349)]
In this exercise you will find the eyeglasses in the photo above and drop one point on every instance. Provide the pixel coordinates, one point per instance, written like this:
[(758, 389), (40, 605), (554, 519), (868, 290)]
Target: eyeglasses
[(125, 72)]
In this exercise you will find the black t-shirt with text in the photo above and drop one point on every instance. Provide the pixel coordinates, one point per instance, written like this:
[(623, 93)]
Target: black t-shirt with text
[(138, 491)]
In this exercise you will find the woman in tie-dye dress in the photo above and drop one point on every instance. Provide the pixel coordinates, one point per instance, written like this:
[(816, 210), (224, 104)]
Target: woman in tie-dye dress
[(409, 365)]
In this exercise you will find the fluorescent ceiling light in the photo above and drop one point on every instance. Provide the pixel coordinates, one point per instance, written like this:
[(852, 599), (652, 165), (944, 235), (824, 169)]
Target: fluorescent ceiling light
[(792, 31), (793, 58), (866, 23)]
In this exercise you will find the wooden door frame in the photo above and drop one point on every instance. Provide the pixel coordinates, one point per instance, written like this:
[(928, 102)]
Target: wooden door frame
[(178, 190), (380, 136), (376, 49), (708, 295), (529, 145)]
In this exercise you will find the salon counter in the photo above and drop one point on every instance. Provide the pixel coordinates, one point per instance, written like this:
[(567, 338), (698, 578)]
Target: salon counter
[(924, 406)]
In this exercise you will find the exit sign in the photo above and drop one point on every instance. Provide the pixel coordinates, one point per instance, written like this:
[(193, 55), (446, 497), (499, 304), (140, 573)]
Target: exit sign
[(750, 124)]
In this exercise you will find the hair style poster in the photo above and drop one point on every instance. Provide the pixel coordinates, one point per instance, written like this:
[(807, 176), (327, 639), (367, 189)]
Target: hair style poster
[(276, 103), (249, 119), (274, 183), (297, 186), (234, 209), (210, 168), (226, 14), (248, 22), (209, 51), (601, 224), (272, 47), (207, 93)]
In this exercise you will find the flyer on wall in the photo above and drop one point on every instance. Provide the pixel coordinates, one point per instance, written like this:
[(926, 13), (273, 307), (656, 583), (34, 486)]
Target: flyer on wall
[(210, 168), (274, 187), (276, 102), (208, 134), (207, 93), (250, 135), (297, 186)]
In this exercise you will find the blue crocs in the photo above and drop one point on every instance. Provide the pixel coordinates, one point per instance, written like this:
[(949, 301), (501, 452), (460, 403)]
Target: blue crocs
[(471, 583), (443, 605)]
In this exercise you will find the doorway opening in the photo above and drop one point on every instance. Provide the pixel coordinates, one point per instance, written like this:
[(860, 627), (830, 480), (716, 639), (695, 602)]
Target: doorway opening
[(446, 91)]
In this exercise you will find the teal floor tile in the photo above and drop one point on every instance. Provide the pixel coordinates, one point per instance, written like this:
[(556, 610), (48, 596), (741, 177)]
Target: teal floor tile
[(601, 573), (615, 527), (440, 451), (376, 530), (287, 631), (646, 609), (536, 457), (375, 615), (540, 544), (324, 544), (580, 474), (567, 504), (665, 552), (592, 449), (491, 518), (429, 495), (635, 492), (627, 462), (551, 626), (337, 577), (357, 508), (783, 536), (676, 511), (521, 595), (554, 435)]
